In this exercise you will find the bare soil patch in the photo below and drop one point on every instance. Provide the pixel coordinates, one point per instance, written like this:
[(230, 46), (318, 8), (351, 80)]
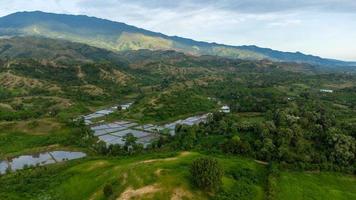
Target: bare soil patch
[(185, 153), (130, 193), (179, 193)]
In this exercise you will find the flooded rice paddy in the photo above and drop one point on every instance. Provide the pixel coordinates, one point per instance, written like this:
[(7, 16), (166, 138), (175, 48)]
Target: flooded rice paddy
[(40, 159), (114, 133)]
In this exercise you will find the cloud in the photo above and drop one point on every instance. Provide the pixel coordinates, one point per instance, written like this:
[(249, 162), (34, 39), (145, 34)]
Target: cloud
[(245, 6), (284, 23)]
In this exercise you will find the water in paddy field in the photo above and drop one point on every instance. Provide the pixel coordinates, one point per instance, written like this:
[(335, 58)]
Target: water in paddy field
[(3, 166), (114, 133), (39, 159)]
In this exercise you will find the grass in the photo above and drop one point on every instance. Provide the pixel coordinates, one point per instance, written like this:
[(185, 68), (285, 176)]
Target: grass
[(33, 127), (315, 186), (161, 176), (169, 175), (14, 142)]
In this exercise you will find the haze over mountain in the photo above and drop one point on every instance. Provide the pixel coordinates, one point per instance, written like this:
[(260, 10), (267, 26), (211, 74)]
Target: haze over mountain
[(116, 36)]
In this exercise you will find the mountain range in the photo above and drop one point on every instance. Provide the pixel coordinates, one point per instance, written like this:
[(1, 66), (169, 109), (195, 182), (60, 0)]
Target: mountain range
[(116, 36)]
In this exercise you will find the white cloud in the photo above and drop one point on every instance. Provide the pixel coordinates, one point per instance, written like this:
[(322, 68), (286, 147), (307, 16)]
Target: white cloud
[(284, 23)]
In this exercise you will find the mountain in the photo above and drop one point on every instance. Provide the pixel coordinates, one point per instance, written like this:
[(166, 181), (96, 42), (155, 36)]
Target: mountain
[(117, 36), (54, 50), (44, 63)]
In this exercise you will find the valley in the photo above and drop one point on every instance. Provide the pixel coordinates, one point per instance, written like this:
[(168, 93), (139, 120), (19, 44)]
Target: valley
[(96, 119)]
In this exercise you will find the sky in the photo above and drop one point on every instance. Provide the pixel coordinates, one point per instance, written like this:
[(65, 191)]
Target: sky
[(325, 28)]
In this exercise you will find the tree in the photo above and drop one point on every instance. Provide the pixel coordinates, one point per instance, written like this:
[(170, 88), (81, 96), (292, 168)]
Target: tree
[(130, 142), (343, 148), (236, 146), (101, 147), (267, 149), (130, 139), (8, 170), (164, 83), (206, 173)]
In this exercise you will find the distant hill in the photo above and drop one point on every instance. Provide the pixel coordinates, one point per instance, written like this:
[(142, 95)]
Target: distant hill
[(43, 66), (54, 50), (116, 36), (65, 62)]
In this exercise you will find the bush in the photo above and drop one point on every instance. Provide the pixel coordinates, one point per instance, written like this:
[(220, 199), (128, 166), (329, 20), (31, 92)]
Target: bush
[(246, 175), (108, 190), (240, 191), (206, 173)]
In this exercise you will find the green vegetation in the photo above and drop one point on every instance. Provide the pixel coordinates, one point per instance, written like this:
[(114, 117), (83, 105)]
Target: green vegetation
[(108, 191), (15, 141), (162, 177), (315, 185), (206, 173), (171, 106), (283, 138)]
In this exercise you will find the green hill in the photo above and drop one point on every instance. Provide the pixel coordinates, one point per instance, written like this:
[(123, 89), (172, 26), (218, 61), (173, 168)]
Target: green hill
[(155, 176), (166, 176)]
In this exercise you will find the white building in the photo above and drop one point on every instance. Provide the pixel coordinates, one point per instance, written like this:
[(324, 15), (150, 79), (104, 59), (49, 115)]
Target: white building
[(327, 91), (225, 109)]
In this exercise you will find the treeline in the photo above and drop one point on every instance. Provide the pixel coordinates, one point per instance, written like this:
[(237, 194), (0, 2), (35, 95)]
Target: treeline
[(297, 136), (301, 136)]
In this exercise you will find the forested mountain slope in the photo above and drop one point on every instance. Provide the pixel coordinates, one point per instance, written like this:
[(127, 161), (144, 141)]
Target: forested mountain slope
[(118, 36)]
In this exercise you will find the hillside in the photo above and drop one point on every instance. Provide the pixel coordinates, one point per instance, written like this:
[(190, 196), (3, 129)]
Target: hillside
[(143, 177), (55, 51), (166, 176), (281, 134), (67, 73), (119, 36)]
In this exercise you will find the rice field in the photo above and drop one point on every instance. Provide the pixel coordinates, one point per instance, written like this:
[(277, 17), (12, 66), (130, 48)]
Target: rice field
[(114, 133), (39, 159)]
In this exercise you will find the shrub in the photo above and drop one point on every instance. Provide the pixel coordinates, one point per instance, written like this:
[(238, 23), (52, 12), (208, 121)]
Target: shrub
[(206, 173), (108, 190), (240, 191), (246, 175)]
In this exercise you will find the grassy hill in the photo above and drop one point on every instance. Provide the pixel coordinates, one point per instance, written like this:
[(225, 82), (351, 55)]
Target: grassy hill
[(166, 176), (154, 176), (118, 36)]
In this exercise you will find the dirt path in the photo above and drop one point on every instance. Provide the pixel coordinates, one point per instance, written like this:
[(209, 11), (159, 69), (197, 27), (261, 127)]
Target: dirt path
[(131, 193), (185, 153), (261, 162)]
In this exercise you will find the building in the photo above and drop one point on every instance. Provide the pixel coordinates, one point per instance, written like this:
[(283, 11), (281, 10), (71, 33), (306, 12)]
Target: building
[(326, 91), (225, 109)]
